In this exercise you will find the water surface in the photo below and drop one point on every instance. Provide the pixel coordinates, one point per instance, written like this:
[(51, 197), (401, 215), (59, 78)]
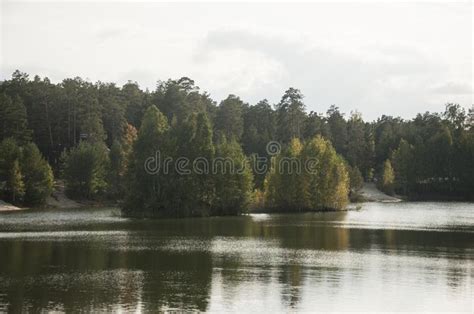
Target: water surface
[(400, 256)]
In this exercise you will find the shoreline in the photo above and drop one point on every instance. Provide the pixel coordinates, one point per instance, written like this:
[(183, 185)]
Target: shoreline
[(7, 207), (370, 193)]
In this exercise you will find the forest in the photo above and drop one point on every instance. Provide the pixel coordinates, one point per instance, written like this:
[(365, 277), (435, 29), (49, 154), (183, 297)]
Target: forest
[(96, 138)]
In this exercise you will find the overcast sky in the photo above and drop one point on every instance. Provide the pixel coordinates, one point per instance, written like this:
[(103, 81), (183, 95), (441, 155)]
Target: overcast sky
[(377, 58)]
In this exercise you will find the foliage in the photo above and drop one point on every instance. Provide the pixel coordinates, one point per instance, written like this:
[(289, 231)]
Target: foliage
[(290, 115), (116, 170), (13, 119), (85, 169), (25, 176), (431, 154), (308, 176), (234, 183), (403, 163), (229, 120), (387, 179), (145, 191), (37, 175), (202, 191), (356, 179)]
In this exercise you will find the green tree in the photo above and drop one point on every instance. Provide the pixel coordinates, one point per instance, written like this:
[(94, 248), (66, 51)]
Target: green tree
[(116, 170), (326, 179), (85, 169), (403, 163), (387, 180), (232, 178), (291, 115), (284, 183), (323, 182), (113, 112), (37, 174), (315, 124), (13, 119), (134, 100), (15, 184), (199, 183), (356, 179), (338, 129), (10, 175), (356, 145), (148, 193), (259, 130), (229, 120)]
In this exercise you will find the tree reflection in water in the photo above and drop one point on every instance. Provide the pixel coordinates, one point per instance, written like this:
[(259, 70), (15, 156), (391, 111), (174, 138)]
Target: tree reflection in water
[(269, 262)]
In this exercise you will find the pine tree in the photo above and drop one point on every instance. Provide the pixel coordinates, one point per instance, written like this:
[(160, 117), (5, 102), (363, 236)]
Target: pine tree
[(232, 179), (9, 181), (386, 182), (85, 170), (229, 119), (326, 178), (38, 176), (291, 115), (403, 160), (356, 179), (322, 183), (146, 191), (13, 119), (15, 184), (201, 152), (116, 169)]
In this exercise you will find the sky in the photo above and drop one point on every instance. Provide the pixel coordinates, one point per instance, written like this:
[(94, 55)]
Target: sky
[(384, 57)]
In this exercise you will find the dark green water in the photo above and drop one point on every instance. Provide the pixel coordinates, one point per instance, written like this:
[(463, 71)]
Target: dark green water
[(385, 257)]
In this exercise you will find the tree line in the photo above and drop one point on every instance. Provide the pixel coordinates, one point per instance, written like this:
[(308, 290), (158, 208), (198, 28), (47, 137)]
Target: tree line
[(96, 137)]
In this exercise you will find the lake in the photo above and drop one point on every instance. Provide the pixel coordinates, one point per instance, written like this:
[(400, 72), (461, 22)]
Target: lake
[(384, 257)]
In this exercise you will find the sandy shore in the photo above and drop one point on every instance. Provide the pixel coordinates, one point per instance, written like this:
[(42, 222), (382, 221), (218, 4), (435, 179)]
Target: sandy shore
[(7, 207), (57, 200), (372, 194)]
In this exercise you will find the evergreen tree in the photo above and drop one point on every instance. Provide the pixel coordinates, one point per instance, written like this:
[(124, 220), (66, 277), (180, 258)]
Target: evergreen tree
[(15, 184), (147, 190), (38, 176), (85, 169), (291, 115), (327, 181), (200, 183), (10, 175), (356, 179), (315, 124), (116, 169), (356, 146), (284, 186), (134, 100), (229, 119), (323, 182), (387, 179), (232, 179), (13, 119), (403, 163), (338, 130)]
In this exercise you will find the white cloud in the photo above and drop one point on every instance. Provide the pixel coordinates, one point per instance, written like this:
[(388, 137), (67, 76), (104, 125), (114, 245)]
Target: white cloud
[(378, 58)]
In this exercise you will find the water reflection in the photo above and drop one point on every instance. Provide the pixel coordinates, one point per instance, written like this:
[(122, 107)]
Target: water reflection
[(365, 260)]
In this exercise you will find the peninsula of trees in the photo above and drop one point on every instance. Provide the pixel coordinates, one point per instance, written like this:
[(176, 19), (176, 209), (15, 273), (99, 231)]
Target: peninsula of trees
[(96, 137)]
